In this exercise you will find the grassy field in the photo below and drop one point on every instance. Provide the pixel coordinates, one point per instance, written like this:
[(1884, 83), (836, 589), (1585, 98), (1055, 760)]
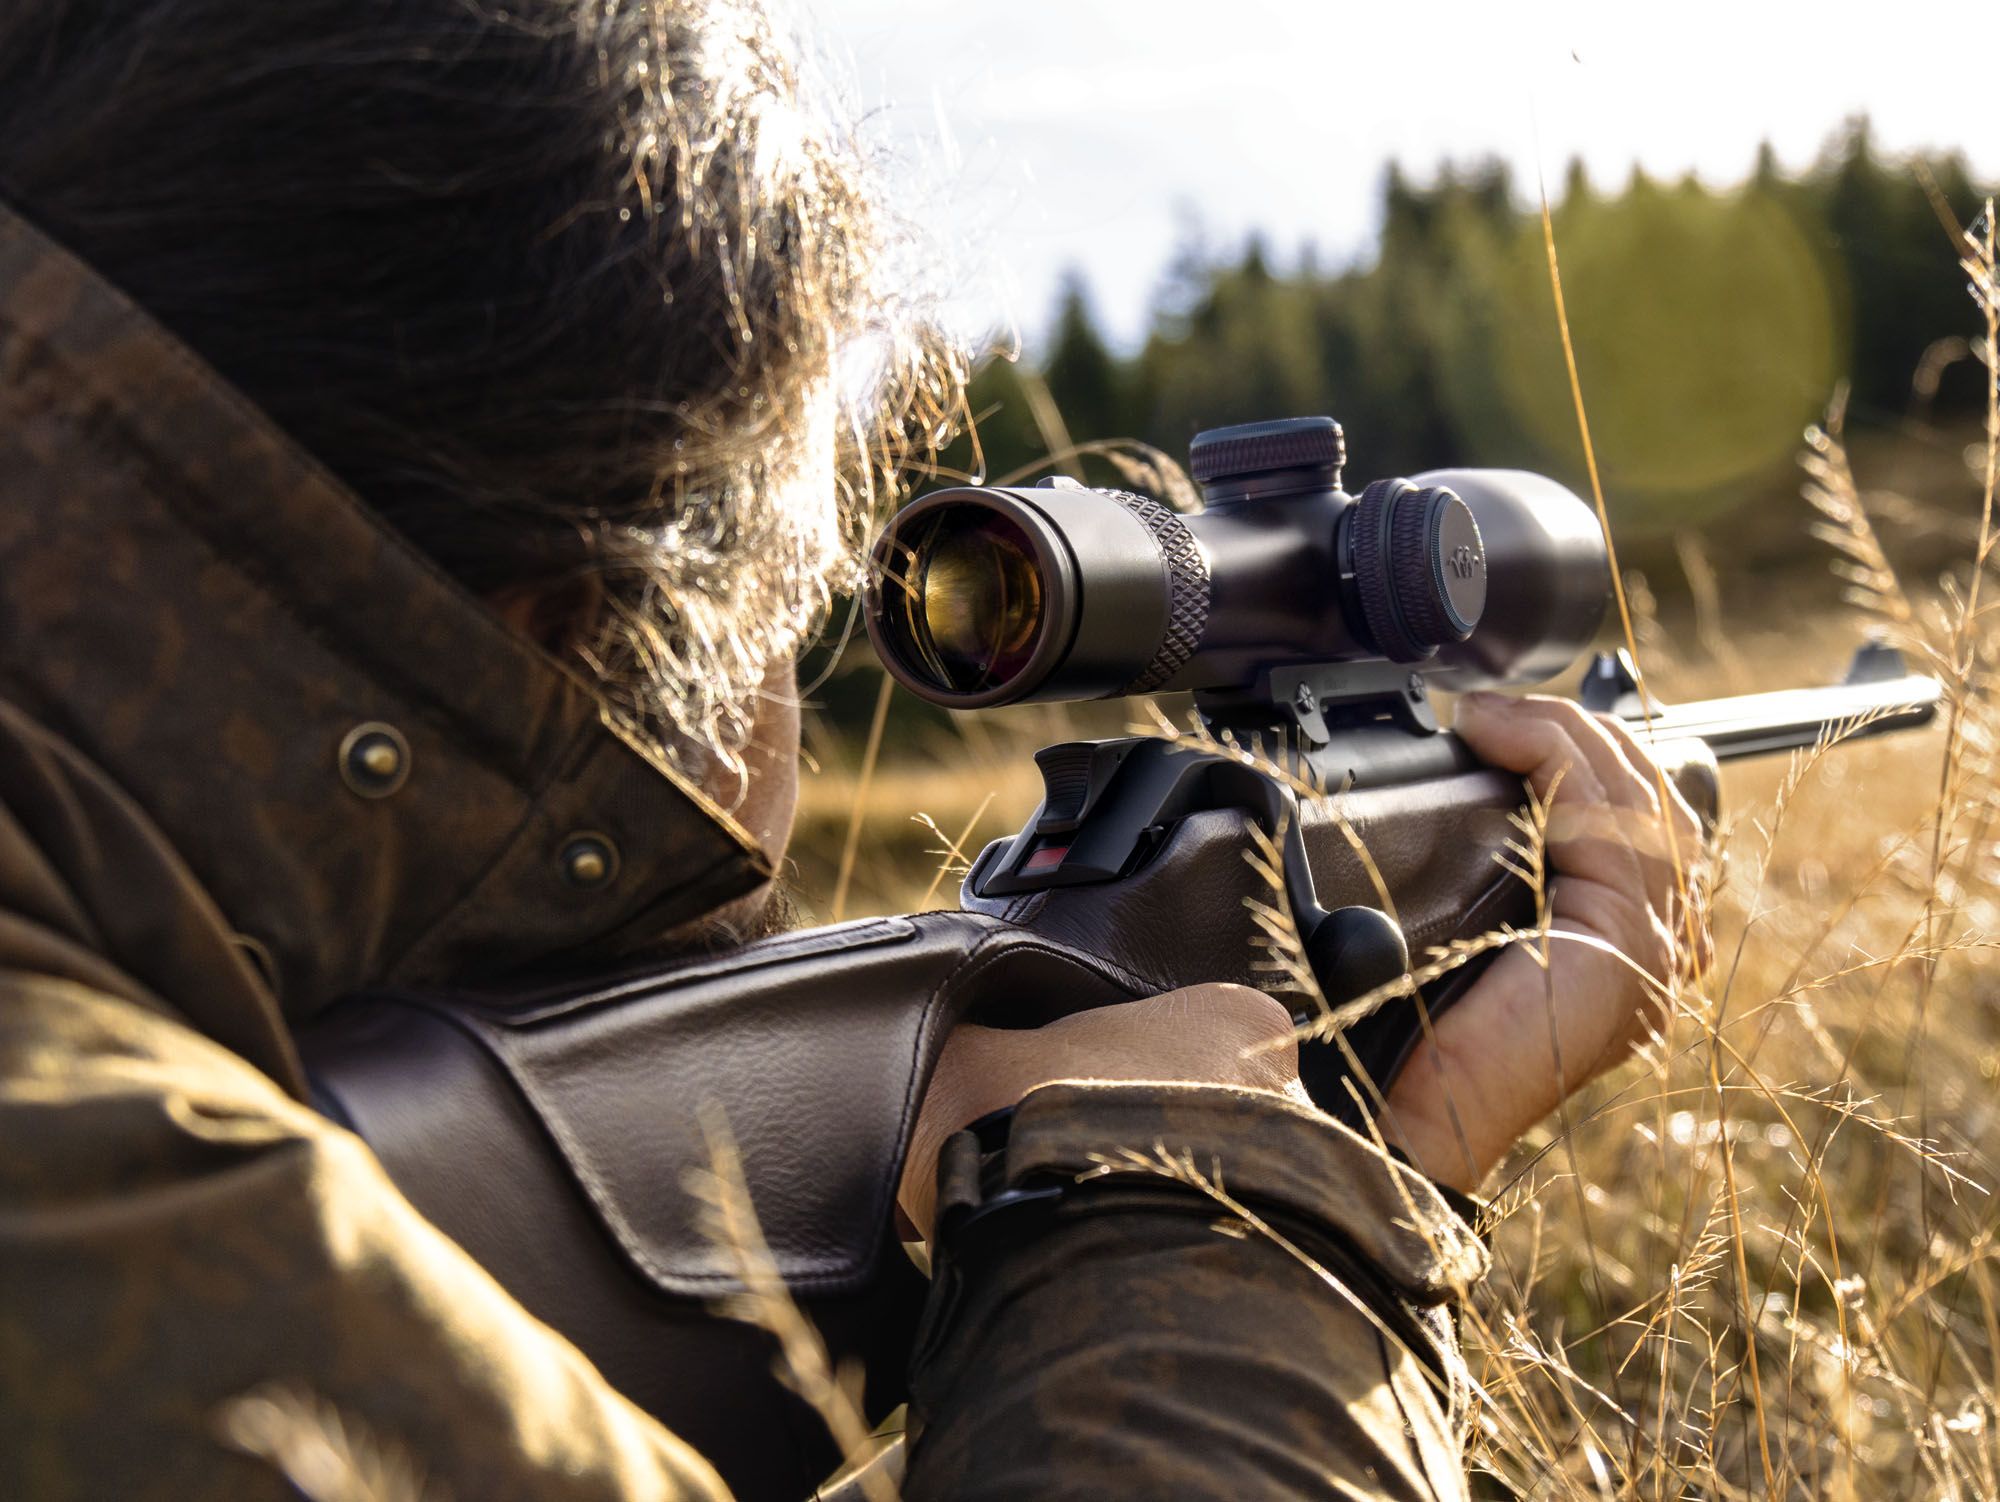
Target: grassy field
[(1760, 1259)]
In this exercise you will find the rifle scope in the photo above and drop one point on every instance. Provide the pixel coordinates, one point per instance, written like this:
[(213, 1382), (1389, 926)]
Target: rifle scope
[(984, 595)]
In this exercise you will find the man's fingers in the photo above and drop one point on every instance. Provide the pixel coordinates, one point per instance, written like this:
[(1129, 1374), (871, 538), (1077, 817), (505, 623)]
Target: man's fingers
[(1687, 890), (1624, 768), (1625, 784), (1604, 822), (1621, 839), (1687, 823), (1538, 747)]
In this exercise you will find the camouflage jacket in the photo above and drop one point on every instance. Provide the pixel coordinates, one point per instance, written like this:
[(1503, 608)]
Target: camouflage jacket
[(207, 1289)]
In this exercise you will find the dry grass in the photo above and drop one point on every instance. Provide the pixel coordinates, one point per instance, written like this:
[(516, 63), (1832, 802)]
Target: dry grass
[(729, 1223), (1762, 1260)]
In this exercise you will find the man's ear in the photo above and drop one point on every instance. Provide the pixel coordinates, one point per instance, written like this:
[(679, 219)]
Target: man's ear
[(559, 617)]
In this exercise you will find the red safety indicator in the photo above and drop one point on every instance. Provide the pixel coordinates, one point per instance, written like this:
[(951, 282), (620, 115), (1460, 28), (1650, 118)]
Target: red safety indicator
[(1045, 859)]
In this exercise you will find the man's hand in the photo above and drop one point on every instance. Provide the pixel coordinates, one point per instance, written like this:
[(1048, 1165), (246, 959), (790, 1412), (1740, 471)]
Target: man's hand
[(1522, 1038), (1217, 1034)]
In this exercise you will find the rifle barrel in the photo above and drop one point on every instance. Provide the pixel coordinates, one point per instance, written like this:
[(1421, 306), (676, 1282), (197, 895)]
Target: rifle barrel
[(1791, 719)]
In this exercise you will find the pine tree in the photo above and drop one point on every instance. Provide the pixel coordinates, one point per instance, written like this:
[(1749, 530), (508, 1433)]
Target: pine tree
[(1082, 375)]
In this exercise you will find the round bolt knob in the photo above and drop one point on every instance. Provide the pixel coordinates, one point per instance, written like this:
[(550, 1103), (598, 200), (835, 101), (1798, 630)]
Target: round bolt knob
[(1354, 950), (1419, 568), (1249, 449)]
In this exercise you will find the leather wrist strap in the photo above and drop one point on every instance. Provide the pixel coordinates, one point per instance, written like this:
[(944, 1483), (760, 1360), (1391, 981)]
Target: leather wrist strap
[(975, 1201)]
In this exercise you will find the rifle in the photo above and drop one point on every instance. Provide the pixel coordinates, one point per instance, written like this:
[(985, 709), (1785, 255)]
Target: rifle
[(550, 1127)]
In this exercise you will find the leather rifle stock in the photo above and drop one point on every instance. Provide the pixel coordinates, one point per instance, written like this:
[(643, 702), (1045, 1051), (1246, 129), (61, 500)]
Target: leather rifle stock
[(551, 1130)]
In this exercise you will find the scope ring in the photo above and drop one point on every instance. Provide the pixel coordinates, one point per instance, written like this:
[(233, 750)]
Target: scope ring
[(1187, 589)]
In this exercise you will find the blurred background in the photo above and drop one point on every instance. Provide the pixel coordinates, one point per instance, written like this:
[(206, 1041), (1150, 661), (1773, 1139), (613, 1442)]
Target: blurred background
[(1167, 216)]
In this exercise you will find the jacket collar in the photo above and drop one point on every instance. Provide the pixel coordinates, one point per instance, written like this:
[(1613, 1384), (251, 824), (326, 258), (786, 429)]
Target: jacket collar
[(205, 614)]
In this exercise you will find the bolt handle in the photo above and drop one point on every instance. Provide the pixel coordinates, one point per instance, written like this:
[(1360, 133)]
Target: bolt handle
[(1353, 950)]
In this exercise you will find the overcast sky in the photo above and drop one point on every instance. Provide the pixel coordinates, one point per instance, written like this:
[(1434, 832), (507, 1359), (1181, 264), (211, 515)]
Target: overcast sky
[(1056, 133)]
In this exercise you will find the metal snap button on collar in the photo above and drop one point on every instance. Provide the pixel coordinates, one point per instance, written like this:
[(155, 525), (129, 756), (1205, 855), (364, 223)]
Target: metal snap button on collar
[(374, 759), (589, 859)]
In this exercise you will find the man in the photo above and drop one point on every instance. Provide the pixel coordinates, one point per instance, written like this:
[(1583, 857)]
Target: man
[(423, 446)]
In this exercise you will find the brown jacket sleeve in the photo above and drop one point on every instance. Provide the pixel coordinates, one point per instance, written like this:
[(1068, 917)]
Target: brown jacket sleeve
[(1139, 1337), (176, 1234)]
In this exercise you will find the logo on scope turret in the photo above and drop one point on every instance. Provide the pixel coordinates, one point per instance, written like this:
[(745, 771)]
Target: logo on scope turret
[(1464, 561)]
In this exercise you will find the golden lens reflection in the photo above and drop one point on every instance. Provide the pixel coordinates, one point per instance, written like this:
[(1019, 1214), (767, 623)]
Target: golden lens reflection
[(981, 600)]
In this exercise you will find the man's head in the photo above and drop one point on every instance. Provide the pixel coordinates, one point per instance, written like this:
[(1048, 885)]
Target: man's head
[(563, 288)]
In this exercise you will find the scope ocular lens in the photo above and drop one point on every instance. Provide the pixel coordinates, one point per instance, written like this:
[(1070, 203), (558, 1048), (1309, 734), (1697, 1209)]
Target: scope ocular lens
[(965, 598)]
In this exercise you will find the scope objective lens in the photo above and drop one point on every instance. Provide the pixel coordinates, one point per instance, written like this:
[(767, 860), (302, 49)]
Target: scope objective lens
[(966, 598)]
